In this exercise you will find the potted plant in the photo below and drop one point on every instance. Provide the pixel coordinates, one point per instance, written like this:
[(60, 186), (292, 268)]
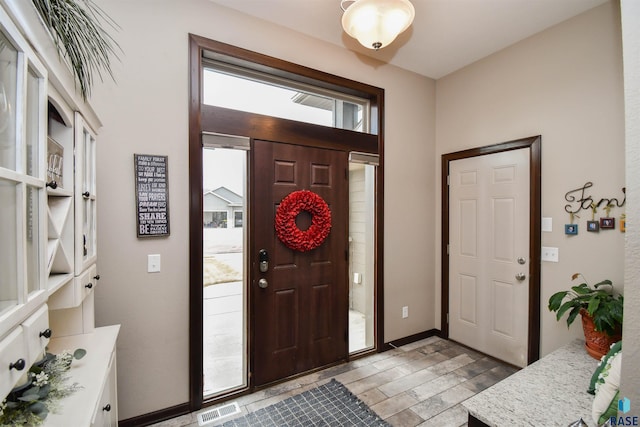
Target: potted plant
[(76, 29), (600, 309)]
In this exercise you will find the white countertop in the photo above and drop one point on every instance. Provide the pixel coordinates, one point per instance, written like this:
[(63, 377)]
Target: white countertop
[(89, 372), (549, 392)]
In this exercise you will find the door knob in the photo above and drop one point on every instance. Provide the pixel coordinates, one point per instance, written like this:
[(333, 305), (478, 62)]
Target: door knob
[(521, 276), (263, 283), (18, 366), (521, 260)]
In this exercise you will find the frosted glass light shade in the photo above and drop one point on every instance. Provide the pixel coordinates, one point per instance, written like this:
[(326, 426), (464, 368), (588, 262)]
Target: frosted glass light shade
[(377, 23)]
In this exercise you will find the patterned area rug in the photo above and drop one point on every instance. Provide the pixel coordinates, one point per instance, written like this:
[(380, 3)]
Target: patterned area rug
[(331, 404)]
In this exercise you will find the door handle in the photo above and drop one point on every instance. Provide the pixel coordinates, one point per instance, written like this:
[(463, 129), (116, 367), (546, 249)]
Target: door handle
[(262, 283), (521, 276), (263, 261)]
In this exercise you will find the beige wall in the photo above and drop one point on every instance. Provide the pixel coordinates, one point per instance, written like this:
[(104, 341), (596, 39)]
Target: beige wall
[(630, 11), (146, 112), (566, 85)]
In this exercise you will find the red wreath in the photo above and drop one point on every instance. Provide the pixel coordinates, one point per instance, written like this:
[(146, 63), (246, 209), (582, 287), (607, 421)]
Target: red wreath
[(285, 221)]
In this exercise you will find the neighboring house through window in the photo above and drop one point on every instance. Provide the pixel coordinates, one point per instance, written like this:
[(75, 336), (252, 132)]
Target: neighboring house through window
[(220, 205)]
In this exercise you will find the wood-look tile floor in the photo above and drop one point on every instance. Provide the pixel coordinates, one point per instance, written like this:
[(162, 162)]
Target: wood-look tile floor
[(419, 384)]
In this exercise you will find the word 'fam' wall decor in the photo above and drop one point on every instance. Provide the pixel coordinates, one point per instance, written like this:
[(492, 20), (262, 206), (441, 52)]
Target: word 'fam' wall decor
[(579, 200)]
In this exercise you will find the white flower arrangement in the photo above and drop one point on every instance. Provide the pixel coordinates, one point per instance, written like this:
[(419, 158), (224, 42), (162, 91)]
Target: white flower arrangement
[(47, 383)]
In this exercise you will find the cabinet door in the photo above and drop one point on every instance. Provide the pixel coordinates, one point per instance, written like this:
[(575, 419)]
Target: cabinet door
[(106, 414), (74, 293), (37, 334), (85, 195), (13, 360), (22, 184)]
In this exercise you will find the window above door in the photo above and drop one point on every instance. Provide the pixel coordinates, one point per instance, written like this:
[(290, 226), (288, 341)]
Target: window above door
[(251, 91)]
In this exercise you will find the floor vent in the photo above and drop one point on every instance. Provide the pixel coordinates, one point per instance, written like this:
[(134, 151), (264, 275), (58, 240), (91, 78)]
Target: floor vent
[(215, 414)]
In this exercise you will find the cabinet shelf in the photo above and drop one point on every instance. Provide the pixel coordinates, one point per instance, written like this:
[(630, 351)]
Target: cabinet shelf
[(58, 213), (59, 261), (59, 192)]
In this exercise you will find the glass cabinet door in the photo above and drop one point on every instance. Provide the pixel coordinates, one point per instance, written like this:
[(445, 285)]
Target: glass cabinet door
[(86, 246), (34, 241), (8, 246), (8, 85), (22, 185)]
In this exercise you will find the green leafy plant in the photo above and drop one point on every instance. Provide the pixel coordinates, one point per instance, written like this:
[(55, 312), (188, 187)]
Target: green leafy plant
[(75, 27), (47, 383), (599, 302)]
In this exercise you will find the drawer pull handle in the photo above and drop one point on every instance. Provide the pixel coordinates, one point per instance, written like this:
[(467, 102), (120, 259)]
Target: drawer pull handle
[(86, 194), (46, 333), (97, 277), (89, 285), (107, 407), (52, 184), (18, 366)]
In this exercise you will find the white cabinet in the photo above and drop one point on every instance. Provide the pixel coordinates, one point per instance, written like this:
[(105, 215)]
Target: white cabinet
[(12, 360), (96, 372), (22, 178), (60, 192), (85, 195), (48, 240), (106, 413), (75, 292), (72, 214), (36, 334), (23, 346)]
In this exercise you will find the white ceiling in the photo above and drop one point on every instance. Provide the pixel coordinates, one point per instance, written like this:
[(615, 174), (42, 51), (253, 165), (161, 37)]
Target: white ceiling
[(446, 35)]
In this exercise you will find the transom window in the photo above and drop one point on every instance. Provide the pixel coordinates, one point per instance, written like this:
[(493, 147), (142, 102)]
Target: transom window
[(249, 91)]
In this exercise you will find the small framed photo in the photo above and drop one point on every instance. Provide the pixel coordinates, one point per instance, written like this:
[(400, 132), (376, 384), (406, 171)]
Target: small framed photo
[(571, 229), (607, 223), (593, 226)]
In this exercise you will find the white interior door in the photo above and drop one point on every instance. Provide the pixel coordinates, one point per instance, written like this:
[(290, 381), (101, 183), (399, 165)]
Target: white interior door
[(489, 254)]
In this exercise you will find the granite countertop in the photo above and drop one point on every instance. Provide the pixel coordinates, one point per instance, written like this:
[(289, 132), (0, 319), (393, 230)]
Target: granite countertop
[(549, 392)]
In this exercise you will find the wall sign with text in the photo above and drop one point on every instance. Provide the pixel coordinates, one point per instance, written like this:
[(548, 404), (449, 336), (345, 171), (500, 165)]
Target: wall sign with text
[(152, 195)]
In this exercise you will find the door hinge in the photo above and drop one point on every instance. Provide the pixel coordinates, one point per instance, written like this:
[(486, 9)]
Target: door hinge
[(448, 179)]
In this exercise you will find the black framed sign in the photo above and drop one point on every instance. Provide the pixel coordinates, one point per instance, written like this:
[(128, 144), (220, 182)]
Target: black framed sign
[(152, 195)]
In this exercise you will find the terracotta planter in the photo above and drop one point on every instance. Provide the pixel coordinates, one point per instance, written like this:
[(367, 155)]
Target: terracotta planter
[(597, 343)]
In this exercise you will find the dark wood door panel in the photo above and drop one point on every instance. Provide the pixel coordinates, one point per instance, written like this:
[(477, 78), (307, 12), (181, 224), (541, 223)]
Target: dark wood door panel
[(301, 318)]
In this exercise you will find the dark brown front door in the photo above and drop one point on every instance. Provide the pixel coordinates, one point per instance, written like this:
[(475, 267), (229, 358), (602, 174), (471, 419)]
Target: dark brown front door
[(300, 318)]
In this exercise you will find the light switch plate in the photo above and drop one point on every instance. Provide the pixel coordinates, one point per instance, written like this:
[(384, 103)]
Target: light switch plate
[(549, 254), (547, 224), (153, 261)]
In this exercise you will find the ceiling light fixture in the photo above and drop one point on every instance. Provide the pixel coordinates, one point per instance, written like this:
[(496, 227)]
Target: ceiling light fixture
[(376, 23)]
